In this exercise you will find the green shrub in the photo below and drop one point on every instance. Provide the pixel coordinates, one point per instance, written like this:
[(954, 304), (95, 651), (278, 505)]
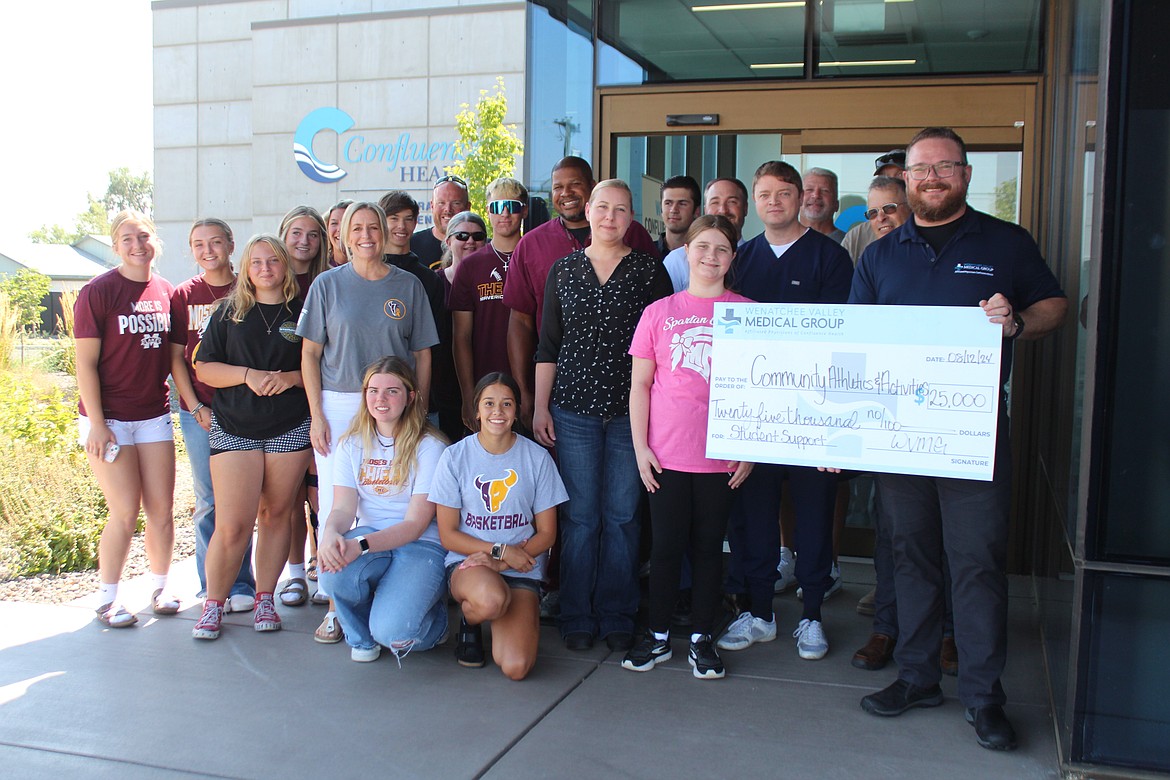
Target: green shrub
[(34, 411), (51, 509)]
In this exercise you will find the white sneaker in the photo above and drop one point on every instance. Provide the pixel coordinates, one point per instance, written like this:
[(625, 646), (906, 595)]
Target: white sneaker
[(785, 571), (745, 631), (835, 573), (241, 602), (364, 655), (810, 640)]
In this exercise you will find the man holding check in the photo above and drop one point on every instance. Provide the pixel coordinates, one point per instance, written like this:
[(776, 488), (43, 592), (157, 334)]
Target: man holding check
[(951, 255)]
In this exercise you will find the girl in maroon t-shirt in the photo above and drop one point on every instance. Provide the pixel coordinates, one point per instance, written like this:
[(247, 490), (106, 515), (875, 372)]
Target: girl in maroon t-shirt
[(122, 329), (193, 301)]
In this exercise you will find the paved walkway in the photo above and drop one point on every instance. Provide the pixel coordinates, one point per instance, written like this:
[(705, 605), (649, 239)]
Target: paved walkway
[(77, 700)]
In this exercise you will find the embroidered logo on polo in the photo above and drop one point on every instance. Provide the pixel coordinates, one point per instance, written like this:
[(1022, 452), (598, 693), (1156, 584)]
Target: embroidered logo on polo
[(493, 492), (395, 309), (979, 269)]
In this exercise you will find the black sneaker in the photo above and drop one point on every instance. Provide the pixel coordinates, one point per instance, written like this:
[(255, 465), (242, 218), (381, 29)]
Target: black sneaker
[(705, 660), (647, 654), (469, 649)]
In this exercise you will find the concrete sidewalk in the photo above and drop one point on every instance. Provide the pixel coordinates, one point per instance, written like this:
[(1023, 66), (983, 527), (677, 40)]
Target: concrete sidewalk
[(79, 700)]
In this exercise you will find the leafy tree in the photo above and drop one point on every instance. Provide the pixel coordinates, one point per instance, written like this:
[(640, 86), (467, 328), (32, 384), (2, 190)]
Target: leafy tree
[(487, 147), (26, 289), (125, 191)]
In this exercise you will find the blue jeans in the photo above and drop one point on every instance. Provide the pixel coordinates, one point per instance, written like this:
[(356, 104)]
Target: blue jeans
[(599, 526), (199, 454), (393, 598)]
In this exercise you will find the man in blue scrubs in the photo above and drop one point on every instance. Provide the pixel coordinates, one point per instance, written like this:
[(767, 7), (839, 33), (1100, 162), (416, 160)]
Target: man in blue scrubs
[(951, 255), (787, 263)]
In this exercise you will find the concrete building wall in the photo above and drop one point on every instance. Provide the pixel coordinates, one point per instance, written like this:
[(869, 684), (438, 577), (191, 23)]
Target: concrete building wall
[(234, 80)]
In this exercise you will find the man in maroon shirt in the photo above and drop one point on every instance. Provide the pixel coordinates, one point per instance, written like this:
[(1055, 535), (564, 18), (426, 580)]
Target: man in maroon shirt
[(572, 184), (479, 317)]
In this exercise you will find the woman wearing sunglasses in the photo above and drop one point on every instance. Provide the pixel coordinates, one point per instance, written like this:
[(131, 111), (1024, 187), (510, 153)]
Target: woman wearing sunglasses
[(466, 233)]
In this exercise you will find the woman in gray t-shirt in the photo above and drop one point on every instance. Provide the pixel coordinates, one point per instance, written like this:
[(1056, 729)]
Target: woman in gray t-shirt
[(496, 497)]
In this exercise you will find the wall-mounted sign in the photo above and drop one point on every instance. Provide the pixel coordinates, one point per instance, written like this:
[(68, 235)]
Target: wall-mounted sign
[(414, 161)]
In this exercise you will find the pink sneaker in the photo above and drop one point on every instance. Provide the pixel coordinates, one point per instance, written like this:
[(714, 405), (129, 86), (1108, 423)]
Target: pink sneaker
[(209, 624), (266, 617)]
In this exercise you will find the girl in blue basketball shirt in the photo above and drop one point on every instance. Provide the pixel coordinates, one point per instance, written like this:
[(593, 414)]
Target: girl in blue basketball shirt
[(496, 497)]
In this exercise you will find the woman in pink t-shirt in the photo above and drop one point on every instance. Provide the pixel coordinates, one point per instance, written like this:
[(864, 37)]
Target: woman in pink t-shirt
[(122, 327), (690, 494)]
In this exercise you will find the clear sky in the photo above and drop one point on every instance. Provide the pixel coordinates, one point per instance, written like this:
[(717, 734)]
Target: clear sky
[(77, 97)]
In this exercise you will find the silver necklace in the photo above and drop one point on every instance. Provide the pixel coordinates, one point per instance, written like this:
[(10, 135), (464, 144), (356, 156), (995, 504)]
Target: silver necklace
[(505, 257), (266, 323)]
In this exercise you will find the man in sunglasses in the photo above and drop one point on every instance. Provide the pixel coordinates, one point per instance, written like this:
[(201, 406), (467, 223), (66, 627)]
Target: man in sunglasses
[(478, 314), (948, 254), (857, 238), (448, 198), (572, 184), (886, 208)]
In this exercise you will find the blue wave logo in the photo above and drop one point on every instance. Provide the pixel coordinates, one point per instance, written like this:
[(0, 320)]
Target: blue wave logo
[(321, 119)]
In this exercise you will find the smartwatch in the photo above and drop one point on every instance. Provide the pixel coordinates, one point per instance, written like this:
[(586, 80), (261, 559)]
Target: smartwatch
[(361, 540), (498, 551)]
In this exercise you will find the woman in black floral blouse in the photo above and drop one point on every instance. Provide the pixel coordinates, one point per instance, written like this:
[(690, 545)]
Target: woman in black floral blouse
[(593, 301)]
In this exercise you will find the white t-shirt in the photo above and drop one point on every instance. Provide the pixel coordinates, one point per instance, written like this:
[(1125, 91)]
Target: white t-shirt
[(381, 505)]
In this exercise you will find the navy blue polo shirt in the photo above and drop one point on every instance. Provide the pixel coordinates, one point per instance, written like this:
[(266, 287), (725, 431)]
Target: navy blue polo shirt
[(985, 256), (815, 269)]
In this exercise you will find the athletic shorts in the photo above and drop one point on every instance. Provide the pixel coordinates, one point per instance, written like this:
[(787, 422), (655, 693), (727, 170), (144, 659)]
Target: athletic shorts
[(294, 441), (127, 434), (511, 580)]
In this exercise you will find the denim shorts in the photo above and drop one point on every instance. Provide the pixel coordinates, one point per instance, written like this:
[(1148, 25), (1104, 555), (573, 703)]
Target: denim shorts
[(511, 580), (128, 433)]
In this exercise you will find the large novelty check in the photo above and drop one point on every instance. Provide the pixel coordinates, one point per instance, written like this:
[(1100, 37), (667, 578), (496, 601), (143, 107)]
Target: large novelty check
[(900, 389)]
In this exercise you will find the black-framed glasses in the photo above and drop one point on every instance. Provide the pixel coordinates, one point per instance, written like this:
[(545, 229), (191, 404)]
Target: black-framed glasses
[(943, 170), (451, 179), (478, 235), (889, 208), (891, 158), (505, 206)]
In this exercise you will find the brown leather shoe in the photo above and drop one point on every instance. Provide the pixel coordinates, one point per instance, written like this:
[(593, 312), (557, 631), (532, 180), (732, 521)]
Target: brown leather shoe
[(948, 657), (876, 654)]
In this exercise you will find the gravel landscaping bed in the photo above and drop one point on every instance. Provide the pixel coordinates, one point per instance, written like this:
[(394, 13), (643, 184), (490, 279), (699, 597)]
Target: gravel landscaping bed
[(65, 587)]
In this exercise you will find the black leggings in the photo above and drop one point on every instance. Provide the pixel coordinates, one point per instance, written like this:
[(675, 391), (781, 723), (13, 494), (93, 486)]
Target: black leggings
[(688, 513)]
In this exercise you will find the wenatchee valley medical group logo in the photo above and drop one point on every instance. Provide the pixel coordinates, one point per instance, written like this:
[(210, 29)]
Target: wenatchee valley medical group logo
[(416, 162)]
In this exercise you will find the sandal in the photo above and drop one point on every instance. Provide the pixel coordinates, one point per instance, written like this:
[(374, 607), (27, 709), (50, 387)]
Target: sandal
[(115, 616), (320, 599), (160, 605), (294, 593), (311, 571), (329, 632)]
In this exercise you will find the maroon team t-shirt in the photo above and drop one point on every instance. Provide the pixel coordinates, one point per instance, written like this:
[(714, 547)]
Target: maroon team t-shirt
[(191, 307), (479, 288), (133, 320)]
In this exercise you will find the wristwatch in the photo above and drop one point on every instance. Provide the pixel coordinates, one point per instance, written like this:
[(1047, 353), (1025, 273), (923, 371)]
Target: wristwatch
[(498, 550), (361, 540), (1019, 325)]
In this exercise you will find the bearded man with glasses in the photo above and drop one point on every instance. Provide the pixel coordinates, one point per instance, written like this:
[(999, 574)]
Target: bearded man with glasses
[(951, 255)]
